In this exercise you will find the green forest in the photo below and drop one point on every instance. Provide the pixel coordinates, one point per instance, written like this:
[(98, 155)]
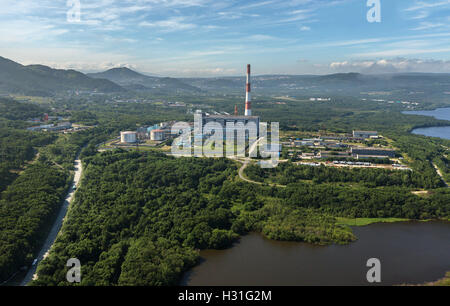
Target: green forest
[(140, 218), (34, 177), (27, 209), (17, 147), (289, 173)]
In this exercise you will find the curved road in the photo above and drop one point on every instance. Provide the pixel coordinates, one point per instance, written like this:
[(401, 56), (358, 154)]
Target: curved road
[(57, 225), (242, 176)]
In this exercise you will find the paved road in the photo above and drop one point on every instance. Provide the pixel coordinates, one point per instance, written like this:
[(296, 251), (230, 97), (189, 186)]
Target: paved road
[(242, 176), (57, 225)]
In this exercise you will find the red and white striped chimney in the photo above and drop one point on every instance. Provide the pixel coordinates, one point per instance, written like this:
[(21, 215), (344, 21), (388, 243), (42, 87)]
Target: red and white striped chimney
[(248, 96)]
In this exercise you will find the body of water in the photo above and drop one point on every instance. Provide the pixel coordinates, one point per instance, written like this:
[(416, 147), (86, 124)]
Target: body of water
[(440, 113), (411, 252)]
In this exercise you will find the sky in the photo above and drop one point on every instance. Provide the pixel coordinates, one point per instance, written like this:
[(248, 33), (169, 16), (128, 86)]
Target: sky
[(203, 38)]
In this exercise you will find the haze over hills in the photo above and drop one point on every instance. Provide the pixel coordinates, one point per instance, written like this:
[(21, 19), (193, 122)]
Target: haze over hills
[(135, 81), (342, 83), (39, 80)]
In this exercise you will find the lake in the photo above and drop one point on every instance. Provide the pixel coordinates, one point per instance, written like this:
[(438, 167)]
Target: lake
[(440, 113), (410, 252)]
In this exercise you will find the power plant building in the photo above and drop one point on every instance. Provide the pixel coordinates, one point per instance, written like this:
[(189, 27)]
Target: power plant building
[(128, 137), (157, 135), (235, 123), (239, 124)]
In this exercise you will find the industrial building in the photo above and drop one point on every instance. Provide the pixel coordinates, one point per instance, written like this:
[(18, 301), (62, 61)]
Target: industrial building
[(157, 135), (128, 137), (372, 152), (52, 128), (239, 124), (61, 126), (142, 133), (157, 132), (154, 127), (40, 128), (235, 121), (365, 134)]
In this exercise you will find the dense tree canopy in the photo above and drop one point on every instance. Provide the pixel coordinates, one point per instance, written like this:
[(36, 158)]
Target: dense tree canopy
[(27, 208), (138, 218), (287, 173)]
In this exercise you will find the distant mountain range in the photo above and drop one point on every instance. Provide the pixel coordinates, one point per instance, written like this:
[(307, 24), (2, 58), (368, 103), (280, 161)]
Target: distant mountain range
[(38, 80), (41, 80), (344, 83), (135, 81)]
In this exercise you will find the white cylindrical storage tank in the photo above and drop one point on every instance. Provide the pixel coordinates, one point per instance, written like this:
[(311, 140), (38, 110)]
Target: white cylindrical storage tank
[(128, 137), (157, 135)]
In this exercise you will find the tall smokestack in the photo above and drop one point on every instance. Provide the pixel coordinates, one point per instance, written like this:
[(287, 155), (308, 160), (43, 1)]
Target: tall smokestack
[(248, 96)]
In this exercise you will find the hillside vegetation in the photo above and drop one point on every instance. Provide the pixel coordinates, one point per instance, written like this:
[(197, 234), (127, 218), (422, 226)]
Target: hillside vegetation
[(39, 80), (138, 219)]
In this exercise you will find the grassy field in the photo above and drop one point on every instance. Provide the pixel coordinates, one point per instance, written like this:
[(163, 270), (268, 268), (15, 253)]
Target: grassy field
[(367, 221), (31, 99)]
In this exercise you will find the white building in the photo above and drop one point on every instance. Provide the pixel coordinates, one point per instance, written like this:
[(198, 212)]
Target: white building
[(128, 137), (157, 135)]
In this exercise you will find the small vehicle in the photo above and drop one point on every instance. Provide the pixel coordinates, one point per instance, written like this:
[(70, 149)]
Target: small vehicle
[(34, 262)]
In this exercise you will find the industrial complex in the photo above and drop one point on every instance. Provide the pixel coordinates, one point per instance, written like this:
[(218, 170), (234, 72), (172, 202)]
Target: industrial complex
[(336, 149), (246, 125)]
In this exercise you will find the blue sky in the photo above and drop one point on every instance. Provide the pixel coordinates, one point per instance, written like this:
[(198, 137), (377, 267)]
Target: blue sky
[(216, 38)]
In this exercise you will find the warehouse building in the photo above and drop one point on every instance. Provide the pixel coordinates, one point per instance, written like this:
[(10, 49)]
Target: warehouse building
[(372, 152), (364, 134)]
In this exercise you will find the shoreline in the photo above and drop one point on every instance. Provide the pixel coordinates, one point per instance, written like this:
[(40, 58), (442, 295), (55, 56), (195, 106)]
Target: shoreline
[(363, 222)]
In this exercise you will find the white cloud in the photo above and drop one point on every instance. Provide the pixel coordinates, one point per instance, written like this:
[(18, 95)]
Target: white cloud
[(19, 31), (300, 15), (395, 65), (421, 15), (77, 58), (260, 37), (420, 5), (257, 5), (203, 72), (402, 52), (428, 25), (171, 24)]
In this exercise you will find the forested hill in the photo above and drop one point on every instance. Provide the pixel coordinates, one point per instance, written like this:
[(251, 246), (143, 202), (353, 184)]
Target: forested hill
[(17, 146), (416, 86), (139, 82), (344, 82), (39, 80)]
